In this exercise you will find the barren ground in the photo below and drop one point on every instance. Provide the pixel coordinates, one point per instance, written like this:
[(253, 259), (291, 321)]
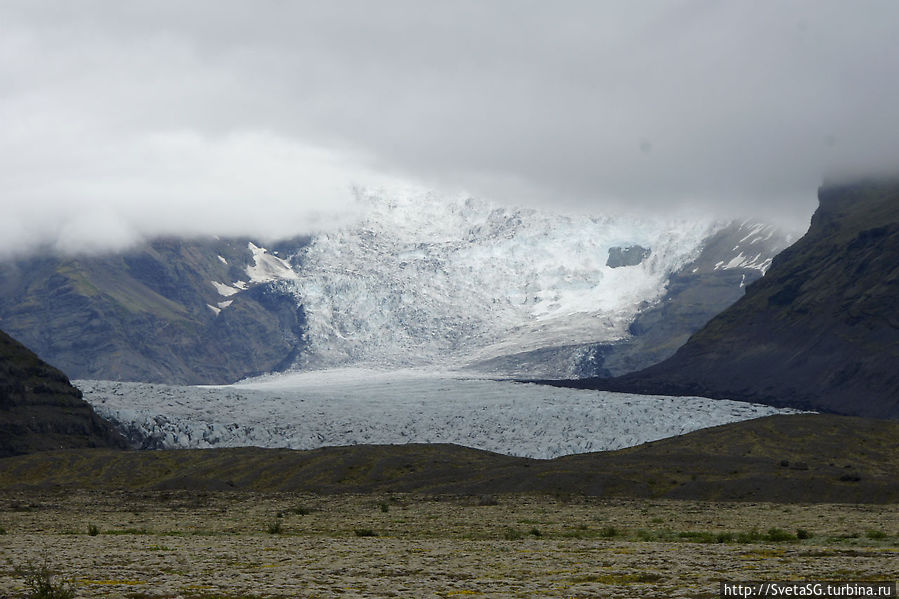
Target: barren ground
[(236, 545)]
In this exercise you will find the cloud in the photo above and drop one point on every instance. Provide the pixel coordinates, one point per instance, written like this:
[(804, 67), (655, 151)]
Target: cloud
[(131, 119)]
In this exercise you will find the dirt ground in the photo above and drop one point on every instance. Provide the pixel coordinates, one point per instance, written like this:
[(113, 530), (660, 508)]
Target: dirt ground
[(235, 545)]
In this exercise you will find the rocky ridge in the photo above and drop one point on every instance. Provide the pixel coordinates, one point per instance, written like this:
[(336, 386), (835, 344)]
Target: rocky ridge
[(819, 332)]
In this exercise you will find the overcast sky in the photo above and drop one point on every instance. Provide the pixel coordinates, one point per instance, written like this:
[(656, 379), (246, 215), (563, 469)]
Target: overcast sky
[(123, 119)]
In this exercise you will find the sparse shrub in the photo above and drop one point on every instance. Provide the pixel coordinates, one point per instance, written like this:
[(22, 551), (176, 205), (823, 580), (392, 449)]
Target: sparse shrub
[(724, 537), (300, 510), (777, 535), (801, 533), (384, 507), (535, 532), (645, 535), (699, 537), (365, 532), (512, 534), (274, 528), (608, 532), (876, 534), (753, 536), (487, 500), (40, 584), (93, 530)]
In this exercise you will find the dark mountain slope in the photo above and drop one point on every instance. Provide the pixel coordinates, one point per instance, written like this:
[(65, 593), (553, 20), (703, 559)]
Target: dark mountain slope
[(153, 313), (40, 410), (820, 331), (799, 458)]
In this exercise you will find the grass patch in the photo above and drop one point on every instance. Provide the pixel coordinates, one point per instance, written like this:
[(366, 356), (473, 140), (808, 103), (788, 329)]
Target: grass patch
[(365, 532), (300, 510), (618, 578), (609, 532), (126, 531)]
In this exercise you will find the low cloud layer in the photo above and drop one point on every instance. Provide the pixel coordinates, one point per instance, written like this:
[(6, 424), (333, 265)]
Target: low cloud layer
[(130, 119)]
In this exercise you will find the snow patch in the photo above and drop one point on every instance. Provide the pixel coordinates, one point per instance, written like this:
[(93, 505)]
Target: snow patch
[(223, 289), (267, 267)]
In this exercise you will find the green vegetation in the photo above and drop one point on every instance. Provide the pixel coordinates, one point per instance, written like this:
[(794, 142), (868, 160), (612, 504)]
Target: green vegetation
[(609, 532), (40, 583), (734, 462), (365, 532), (300, 510), (619, 578)]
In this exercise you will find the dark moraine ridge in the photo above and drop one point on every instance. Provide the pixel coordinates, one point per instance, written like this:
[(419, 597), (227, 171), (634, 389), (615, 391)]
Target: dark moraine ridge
[(820, 331), (40, 410), (793, 458)]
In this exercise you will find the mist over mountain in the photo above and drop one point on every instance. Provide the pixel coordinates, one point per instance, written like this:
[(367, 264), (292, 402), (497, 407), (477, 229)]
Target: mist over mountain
[(423, 280)]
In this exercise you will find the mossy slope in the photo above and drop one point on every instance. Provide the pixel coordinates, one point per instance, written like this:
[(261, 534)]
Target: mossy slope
[(800, 458)]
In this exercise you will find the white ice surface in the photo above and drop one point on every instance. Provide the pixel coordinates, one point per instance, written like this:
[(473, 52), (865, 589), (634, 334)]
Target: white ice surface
[(353, 406), (424, 279)]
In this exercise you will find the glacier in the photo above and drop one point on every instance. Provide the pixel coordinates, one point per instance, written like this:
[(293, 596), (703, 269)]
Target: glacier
[(406, 308), (307, 410), (425, 279)]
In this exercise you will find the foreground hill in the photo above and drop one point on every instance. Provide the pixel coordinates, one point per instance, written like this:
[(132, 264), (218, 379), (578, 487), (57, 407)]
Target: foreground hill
[(803, 458), (820, 331), (40, 410)]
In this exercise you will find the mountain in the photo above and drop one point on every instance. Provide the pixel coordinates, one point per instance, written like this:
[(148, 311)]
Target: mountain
[(40, 410), (729, 259), (419, 280), (425, 280), (169, 310), (820, 331)]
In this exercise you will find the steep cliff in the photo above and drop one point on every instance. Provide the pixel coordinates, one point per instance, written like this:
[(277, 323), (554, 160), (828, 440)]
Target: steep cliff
[(40, 410)]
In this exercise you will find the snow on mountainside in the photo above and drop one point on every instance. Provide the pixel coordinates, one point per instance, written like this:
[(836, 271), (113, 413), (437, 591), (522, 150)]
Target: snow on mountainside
[(424, 279), (419, 280)]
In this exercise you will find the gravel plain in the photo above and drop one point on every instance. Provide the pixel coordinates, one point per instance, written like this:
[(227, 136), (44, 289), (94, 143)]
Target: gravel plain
[(173, 544)]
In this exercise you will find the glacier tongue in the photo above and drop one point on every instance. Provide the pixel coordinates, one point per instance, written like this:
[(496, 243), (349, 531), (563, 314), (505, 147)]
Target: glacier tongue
[(351, 406), (425, 279)]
